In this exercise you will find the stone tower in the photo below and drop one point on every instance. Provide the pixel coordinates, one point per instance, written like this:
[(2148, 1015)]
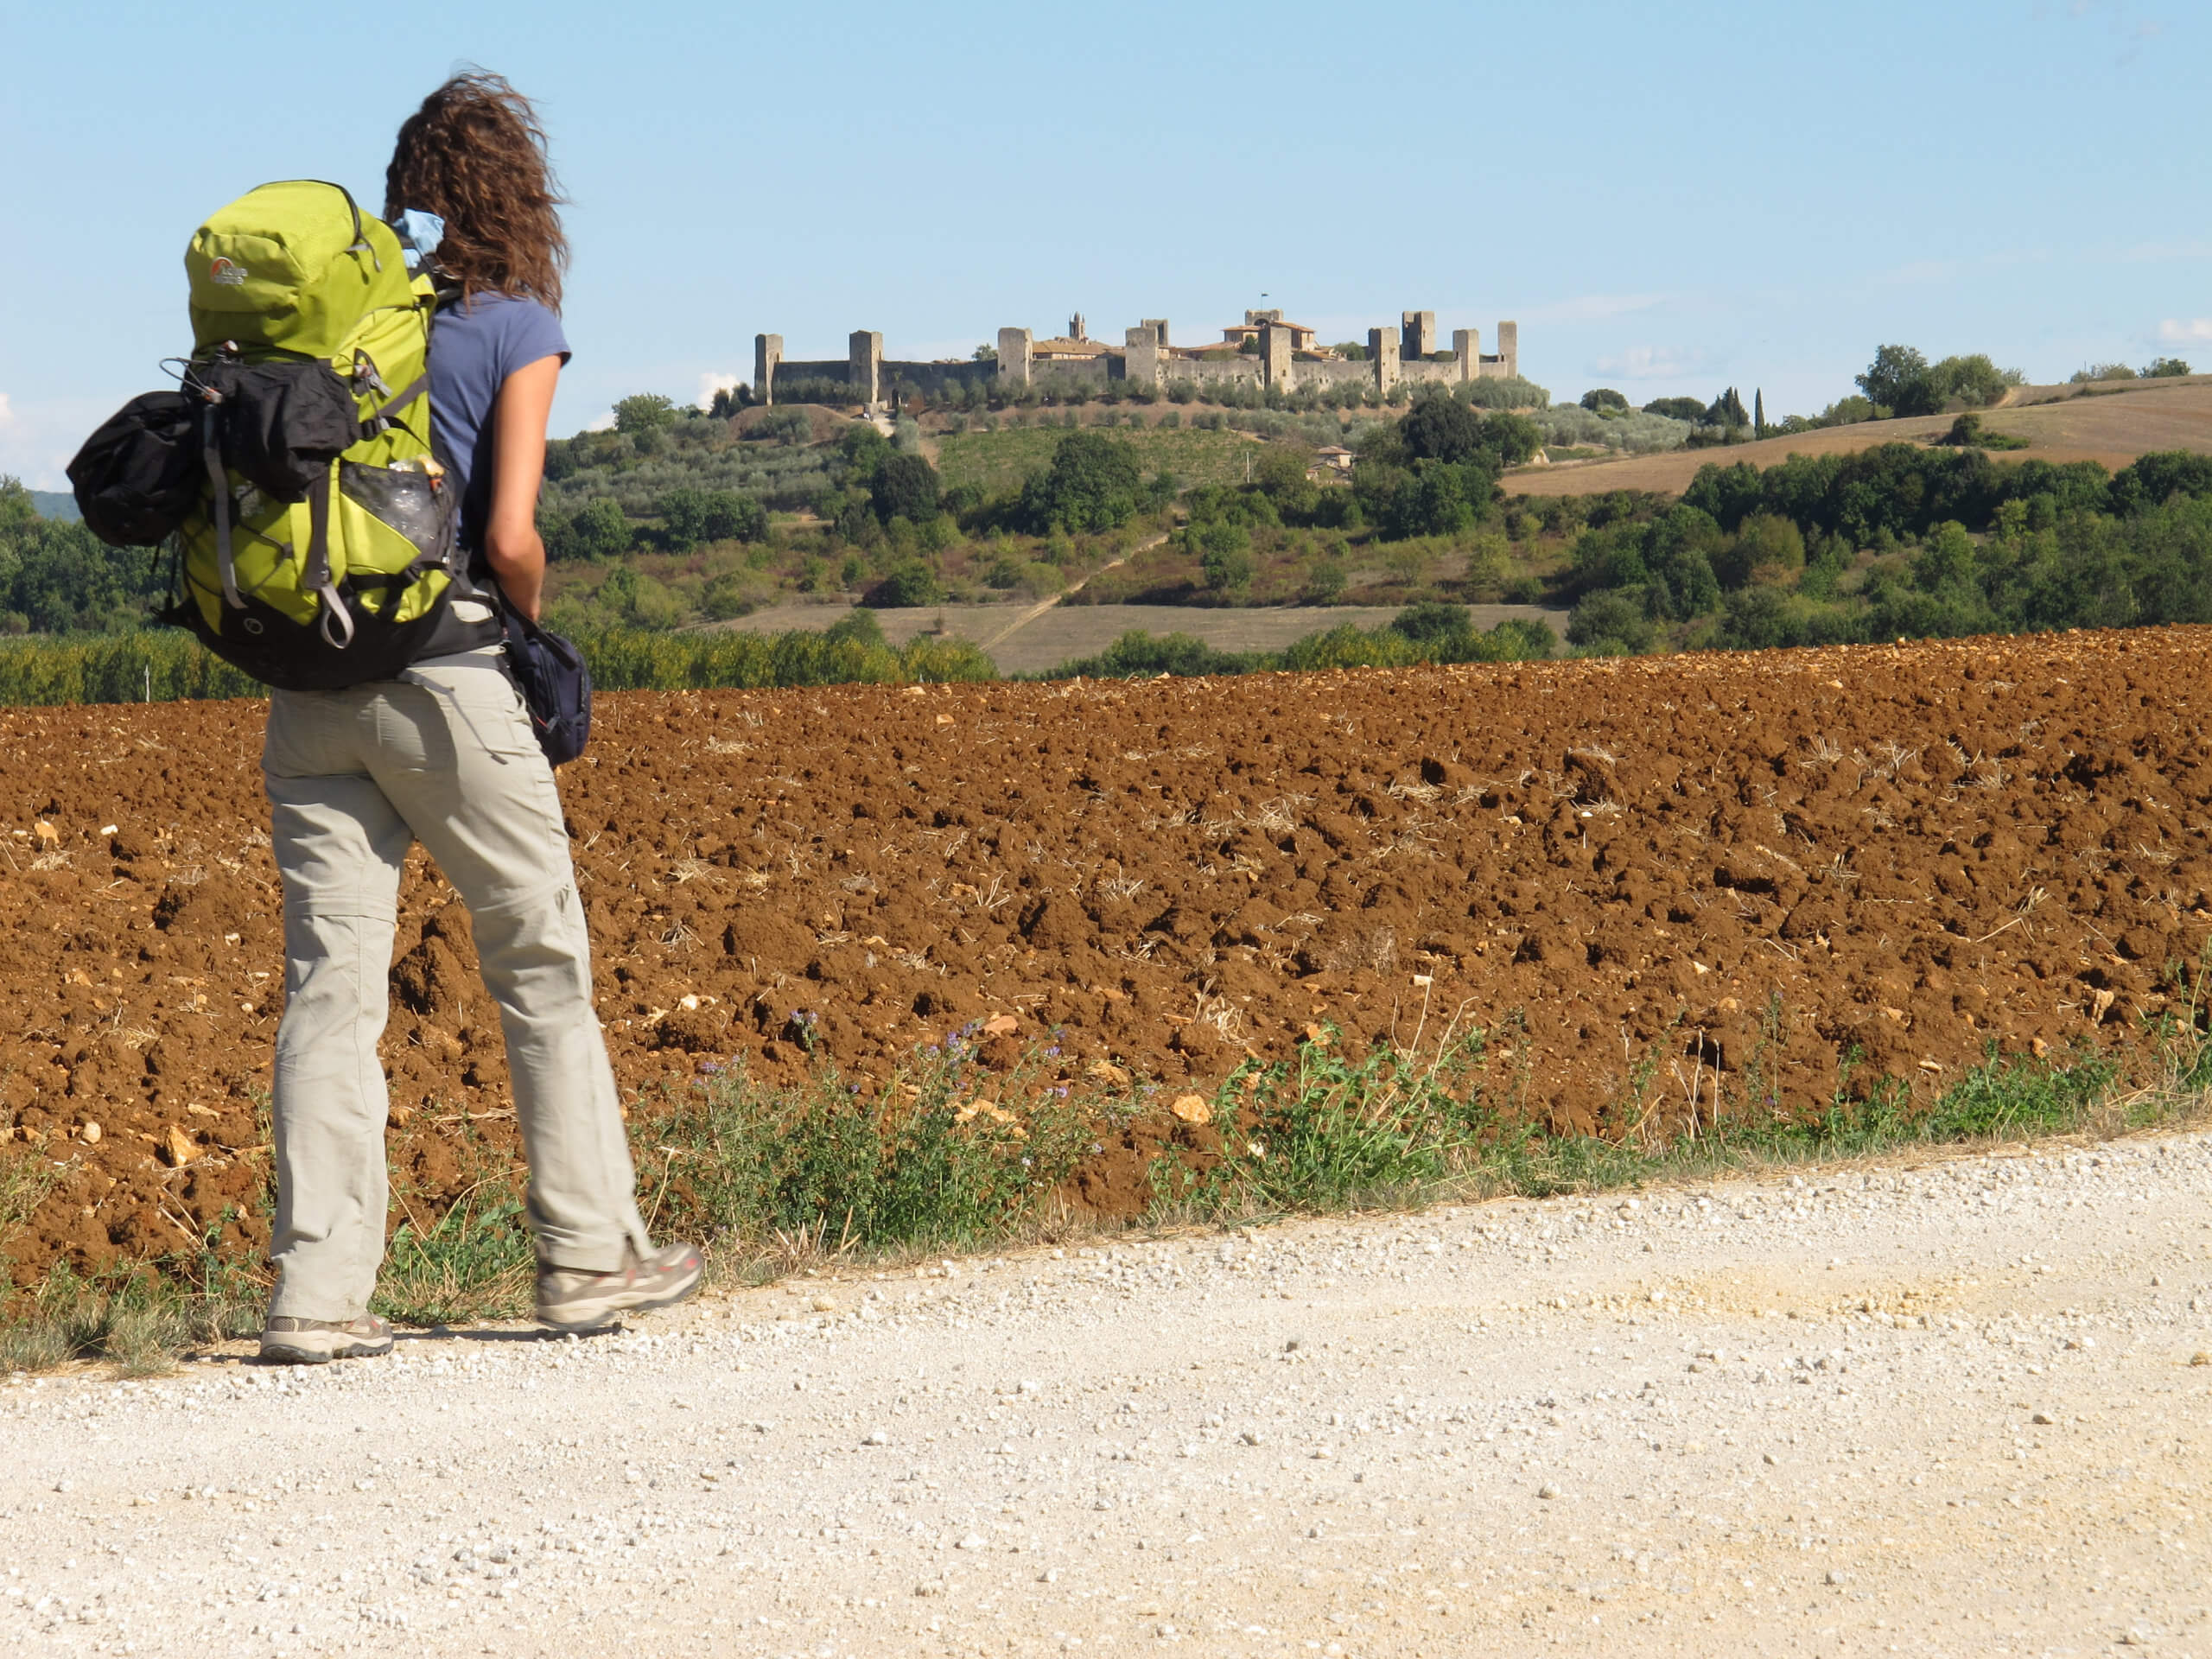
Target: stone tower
[(1013, 355), (768, 354), (1383, 351), (864, 366)]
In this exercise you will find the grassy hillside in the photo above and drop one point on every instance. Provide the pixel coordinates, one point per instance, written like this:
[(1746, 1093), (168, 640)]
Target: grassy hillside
[(2109, 422)]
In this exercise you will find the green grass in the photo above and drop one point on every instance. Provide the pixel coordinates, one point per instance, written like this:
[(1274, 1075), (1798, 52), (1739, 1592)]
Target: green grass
[(948, 1155), (475, 1262), (1405, 1127), (137, 1318), (998, 461)]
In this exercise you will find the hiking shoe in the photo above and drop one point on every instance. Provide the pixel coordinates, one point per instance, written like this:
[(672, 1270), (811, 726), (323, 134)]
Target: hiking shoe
[(288, 1341), (576, 1302)]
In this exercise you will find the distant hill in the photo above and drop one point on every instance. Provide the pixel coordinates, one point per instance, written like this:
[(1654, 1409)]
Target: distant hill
[(55, 504), (2112, 421)]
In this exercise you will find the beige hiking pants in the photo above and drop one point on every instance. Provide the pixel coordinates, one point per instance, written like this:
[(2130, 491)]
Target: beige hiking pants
[(446, 758)]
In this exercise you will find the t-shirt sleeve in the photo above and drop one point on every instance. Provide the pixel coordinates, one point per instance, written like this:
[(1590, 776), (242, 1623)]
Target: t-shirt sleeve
[(532, 332)]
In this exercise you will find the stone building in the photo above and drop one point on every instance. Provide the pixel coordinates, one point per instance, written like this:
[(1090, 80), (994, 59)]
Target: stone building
[(1280, 355)]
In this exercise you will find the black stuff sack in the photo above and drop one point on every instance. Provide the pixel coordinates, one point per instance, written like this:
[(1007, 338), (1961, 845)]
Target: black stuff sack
[(555, 686), (137, 477), (283, 423)]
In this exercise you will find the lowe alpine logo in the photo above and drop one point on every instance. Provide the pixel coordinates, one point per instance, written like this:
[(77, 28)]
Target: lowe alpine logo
[(228, 274)]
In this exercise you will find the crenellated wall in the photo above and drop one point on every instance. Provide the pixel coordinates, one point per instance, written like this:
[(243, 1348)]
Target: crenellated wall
[(1395, 357)]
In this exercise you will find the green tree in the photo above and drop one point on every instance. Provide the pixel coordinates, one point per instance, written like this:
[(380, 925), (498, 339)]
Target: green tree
[(1598, 399), (684, 517), (1972, 379), (734, 516), (648, 411), (1228, 564), (1510, 438), (1093, 484), (904, 486), (1439, 427), (1677, 409), (1899, 381), (1727, 411), (2163, 368), (598, 531), (1758, 413)]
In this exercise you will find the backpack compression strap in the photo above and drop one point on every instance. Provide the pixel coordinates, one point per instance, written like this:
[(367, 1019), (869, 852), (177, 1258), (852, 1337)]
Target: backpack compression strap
[(337, 625), (212, 447)]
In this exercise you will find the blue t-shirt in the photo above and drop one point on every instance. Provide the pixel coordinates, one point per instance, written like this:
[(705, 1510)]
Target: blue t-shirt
[(474, 345)]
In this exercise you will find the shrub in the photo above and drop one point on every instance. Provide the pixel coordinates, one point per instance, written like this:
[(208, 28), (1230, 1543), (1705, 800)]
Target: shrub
[(600, 530), (1229, 569), (1610, 620), (908, 583), (857, 626), (1431, 621), (1139, 655), (2164, 368)]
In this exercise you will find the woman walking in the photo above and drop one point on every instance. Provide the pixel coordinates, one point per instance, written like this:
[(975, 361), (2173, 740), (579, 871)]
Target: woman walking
[(445, 755)]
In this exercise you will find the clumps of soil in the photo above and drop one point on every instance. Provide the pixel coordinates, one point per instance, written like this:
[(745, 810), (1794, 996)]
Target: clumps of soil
[(1647, 879)]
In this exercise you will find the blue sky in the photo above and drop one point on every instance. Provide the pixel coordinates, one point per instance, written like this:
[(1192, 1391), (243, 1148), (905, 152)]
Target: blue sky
[(1667, 198)]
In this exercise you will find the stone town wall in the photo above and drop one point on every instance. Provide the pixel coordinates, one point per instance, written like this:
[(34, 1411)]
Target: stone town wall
[(1395, 357)]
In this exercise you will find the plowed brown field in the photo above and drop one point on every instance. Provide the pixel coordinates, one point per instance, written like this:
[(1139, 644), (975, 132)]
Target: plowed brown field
[(1638, 875)]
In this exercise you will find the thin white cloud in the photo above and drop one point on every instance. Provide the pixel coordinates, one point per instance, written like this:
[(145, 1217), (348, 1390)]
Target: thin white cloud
[(2173, 331), (603, 424), (1654, 362), (7, 414), (710, 384), (1591, 308), (1921, 271)]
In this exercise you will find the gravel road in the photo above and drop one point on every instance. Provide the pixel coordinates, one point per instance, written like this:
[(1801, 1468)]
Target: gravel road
[(1945, 1405)]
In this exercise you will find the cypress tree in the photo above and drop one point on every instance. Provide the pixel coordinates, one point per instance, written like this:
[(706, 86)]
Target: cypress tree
[(1758, 413)]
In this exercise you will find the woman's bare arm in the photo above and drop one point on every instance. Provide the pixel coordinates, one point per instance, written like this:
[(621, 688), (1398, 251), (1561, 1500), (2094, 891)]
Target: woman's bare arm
[(511, 541)]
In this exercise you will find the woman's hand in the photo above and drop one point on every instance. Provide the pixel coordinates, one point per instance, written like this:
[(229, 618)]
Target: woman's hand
[(511, 540)]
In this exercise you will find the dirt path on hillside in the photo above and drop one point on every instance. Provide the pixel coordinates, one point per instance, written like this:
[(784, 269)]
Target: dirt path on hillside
[(1952, 1407), (1031, 612)]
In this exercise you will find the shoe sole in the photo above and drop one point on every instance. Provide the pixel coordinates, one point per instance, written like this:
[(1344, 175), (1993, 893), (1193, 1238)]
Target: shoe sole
[(599, 1322), (279, 1353)]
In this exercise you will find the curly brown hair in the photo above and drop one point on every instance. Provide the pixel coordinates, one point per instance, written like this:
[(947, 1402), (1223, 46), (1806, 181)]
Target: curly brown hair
[(475, 155)]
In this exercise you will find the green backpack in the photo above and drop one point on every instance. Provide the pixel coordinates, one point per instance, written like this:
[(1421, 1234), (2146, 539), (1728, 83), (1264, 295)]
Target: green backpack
[(323, 551)]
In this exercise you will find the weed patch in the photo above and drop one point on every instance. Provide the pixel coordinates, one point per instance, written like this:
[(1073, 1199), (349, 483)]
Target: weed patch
[(946, 1154)]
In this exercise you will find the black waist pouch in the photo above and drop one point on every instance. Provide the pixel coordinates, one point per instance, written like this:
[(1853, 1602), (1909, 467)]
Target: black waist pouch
[(556, 685)]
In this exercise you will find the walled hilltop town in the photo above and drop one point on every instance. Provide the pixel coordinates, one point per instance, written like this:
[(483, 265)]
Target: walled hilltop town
[(1262, 351)]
